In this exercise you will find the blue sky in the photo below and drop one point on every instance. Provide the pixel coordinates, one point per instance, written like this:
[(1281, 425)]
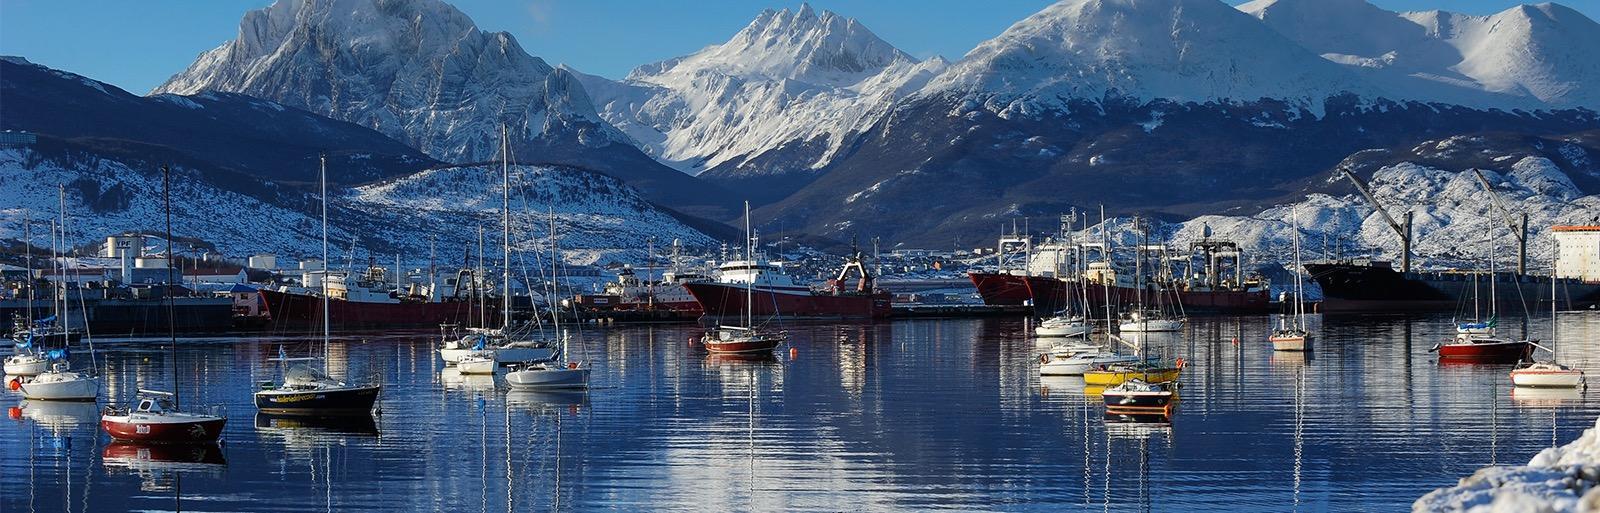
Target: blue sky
[(137, 44)]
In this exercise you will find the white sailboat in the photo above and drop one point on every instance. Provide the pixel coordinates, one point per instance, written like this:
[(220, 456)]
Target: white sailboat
[(1548, 374), (60, 382), (554, 373), (1293, 337), (507, 345)]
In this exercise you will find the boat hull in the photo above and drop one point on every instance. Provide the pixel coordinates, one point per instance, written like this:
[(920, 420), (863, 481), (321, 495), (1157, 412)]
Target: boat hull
[(1078, 366), (1069, 330), (75, 388), (1376, 287), (357, 400), (1490, 352), (29, 367), (504, 354), (1136, 400), (481, 366), (740, 347), (290, 310), (131, 429), (1156, 326), (1108, 378), (1048, 294), (727, 301), (1547, 378), (548, 378), (1289, 343)]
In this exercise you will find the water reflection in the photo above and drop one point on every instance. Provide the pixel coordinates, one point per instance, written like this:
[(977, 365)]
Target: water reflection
[(910, 415)]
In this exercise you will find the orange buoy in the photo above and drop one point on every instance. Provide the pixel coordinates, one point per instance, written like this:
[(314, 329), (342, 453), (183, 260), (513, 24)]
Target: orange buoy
[(794, 352), (15, 384)]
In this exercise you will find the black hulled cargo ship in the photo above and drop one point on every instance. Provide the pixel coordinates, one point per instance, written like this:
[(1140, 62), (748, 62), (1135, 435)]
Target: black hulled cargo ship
[(1361, 285)]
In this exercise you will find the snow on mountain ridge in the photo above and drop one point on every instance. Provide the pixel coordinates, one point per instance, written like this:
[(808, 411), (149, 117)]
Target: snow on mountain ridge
[(1525, 57), (417, 70), (1182, 50), (788, 78), (599, 218), (1452, 212)]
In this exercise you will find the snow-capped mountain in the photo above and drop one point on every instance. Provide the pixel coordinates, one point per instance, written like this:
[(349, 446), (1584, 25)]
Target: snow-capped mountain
[(1180, 50), (599, 219), (781, 96), (1169, 107), (421, 72), (1528, 56)]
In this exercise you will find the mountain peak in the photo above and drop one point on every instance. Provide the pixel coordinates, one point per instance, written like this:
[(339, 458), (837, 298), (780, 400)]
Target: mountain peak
[(803, 45), (1185, 50)]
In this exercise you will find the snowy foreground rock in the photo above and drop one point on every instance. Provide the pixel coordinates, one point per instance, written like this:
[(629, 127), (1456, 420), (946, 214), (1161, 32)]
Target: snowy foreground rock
[(1557, 479)]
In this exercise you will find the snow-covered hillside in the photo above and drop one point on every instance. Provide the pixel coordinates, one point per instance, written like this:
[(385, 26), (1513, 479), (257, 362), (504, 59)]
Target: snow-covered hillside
[(789, 78), (1182, 50), (1453, 218), (598, 218), (417, 70), (1529, 56)]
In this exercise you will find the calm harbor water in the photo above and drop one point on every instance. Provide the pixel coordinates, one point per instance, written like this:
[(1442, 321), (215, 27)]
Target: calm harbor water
[(907, 415)]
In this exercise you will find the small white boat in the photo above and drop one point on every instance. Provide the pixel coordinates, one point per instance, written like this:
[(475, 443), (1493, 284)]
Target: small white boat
[(481, 339), (1074, 360), (1541, 374), (61, 383), (1293, 339), (1063, 326), (26, 364), (549, 375), (482, 362), (1140, 324)]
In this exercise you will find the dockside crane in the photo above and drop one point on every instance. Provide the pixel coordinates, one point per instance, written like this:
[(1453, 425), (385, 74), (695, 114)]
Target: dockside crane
[(1518, 229), (1404, 231)]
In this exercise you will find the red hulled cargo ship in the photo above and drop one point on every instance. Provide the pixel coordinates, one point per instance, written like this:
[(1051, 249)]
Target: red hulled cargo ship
[(775, 294), (1047, 276)]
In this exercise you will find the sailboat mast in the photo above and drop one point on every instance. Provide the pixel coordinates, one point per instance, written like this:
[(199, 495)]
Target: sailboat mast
[(27, 245), (1105, 255), (477, 283), (1299, 303), (505, 221), (555, 305), (322, 180), (65, 319), (172, 333), (750, 260)]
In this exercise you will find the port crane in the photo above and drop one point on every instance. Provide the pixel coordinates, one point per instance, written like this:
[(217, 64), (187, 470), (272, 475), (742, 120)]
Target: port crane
[(1518, 229), (1404, 231)]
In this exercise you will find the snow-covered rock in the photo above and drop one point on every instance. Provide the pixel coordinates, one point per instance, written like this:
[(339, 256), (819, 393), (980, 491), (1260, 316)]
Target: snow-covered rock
[(598, 218), (789, 78), (1557, 479), (417, 70), (1182, 50), (1453, 217), (1528, 56), (421, 72)]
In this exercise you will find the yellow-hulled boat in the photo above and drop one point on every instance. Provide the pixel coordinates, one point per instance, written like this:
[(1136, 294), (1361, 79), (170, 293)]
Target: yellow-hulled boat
[(1116, 374)]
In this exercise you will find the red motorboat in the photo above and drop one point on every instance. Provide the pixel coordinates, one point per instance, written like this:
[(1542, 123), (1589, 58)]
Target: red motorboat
[(155, 420), (1484, 350)]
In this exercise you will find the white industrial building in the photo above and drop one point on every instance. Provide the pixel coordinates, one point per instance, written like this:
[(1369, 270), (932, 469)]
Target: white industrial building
[(1578, 252)]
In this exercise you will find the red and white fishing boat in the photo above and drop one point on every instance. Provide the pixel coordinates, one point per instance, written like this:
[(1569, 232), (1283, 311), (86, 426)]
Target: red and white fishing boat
[(154, 419)]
